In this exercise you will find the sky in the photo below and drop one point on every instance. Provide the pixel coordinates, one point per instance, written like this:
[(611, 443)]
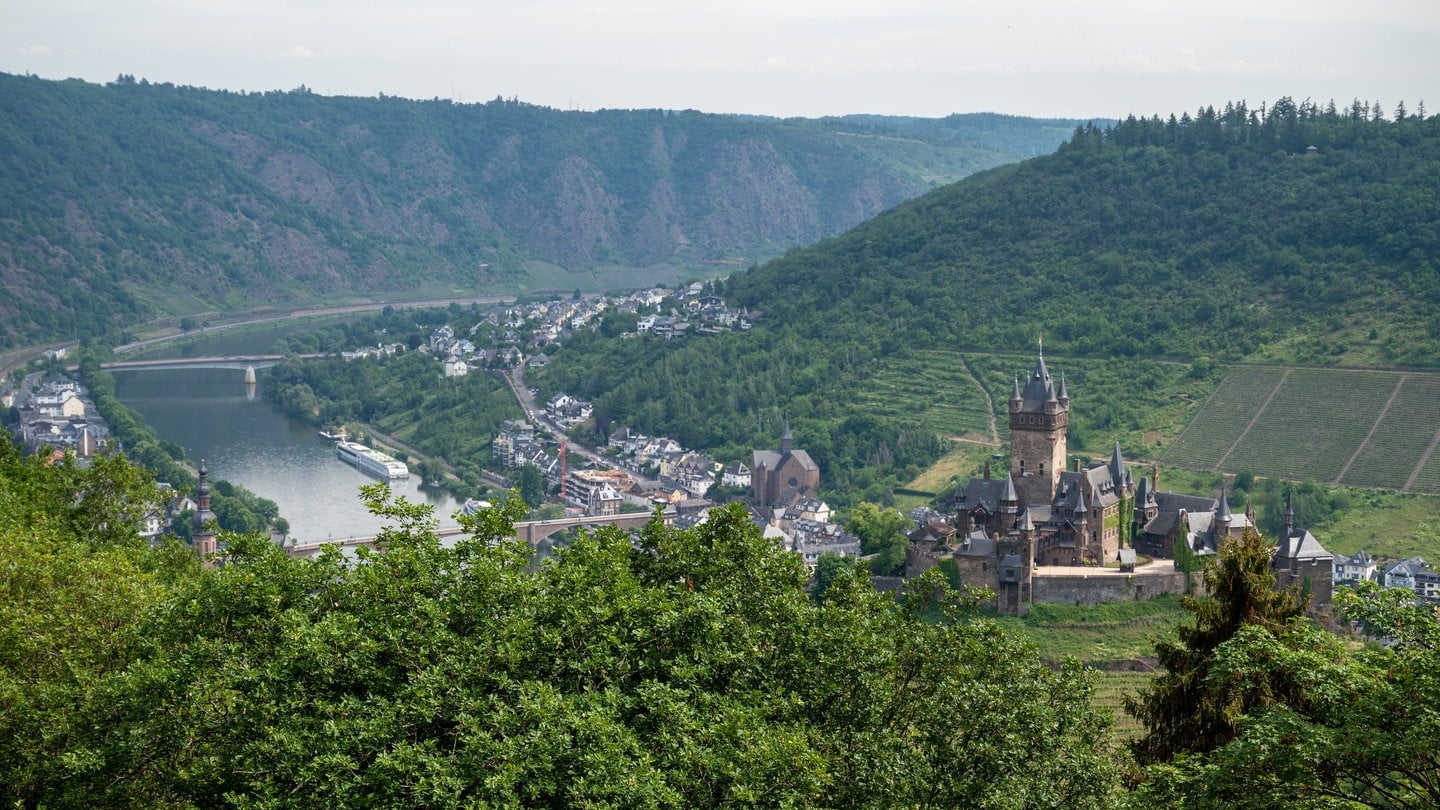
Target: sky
[(1104, 58)]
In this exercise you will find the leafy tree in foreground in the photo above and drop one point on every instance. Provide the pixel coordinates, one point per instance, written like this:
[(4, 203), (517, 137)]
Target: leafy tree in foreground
[(76, 581), (688, 669), (882, 533), (1366, 734), (1185, 710)]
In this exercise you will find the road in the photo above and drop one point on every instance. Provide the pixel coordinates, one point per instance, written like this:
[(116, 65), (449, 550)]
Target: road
[(310, 312), (516, 380)]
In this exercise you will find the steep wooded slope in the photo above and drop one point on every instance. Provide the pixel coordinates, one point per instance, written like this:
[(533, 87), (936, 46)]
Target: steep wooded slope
[(1216, 237), (132, 200), (1219, 235)]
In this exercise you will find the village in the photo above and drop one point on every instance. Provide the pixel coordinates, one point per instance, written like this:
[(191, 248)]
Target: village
[(1016, 534)]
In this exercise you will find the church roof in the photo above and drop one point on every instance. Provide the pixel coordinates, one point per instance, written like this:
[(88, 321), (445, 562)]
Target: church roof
[(772, 459), (1301, 545)]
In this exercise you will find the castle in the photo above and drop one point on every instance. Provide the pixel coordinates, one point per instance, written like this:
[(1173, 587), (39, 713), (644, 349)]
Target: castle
[(1008, 530)]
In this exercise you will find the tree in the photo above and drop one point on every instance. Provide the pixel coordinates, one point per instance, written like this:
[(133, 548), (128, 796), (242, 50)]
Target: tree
[(1361, 729), (827, 568), (882, 533), (685, 668), (530, 483), (1186, 711)]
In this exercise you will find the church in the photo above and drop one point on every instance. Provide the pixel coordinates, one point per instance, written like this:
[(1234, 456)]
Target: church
[(1044, 512), (779, 477)]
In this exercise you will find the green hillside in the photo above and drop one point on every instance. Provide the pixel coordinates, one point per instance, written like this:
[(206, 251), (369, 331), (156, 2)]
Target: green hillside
[(134, 200), (1195, 241)]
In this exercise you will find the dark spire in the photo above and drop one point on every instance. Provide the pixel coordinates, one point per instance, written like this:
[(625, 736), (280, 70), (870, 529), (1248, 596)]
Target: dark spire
[(1223, 518), (1008, 494), (1117, 467), (1289, 511), (1064, 392), (786, 440)]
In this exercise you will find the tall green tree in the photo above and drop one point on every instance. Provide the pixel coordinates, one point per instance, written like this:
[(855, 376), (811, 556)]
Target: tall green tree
[(1360, 729), (1184, 710)]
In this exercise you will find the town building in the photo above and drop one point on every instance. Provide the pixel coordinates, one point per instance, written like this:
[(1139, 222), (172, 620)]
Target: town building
[(777, 476)]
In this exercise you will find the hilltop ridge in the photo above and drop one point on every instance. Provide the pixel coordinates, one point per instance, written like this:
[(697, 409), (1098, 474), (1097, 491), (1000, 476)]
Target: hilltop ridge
[(133, 200)]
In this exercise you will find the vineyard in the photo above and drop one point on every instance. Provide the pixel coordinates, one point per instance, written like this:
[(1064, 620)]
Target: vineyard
[(1361, 428), (935, 386)]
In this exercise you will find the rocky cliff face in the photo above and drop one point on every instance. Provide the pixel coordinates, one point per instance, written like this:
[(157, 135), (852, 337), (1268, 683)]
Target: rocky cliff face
[(132, 200)]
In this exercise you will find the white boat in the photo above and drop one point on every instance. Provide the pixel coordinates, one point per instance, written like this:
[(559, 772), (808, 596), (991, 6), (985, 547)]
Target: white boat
[(371, 461)]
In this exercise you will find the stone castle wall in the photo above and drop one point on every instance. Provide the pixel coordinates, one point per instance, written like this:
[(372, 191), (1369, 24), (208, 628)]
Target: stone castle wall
[(1105, 585)]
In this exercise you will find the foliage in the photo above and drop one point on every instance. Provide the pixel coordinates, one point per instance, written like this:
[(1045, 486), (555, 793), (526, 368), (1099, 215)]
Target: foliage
[(1187, 251), (1185, 710), (1363, 734), (75, 587), (882, 532), (692, 670)]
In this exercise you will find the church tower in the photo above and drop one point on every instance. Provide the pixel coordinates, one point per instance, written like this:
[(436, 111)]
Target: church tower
[(1039, 418), (202, 535)]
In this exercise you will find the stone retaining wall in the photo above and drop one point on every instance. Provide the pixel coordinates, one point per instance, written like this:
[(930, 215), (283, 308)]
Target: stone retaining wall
[(1103, 586)]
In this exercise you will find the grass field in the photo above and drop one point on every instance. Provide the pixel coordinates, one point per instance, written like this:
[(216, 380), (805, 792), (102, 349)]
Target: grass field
[(1360, 428), (1101, 635), (1117, 631)]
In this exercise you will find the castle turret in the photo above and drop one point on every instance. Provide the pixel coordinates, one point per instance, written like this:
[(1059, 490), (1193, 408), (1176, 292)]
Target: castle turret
[(1117, 468), (1223, 519)]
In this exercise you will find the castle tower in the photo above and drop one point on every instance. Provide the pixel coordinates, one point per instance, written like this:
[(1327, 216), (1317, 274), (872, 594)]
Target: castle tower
[(1038, 421), (202, 537)]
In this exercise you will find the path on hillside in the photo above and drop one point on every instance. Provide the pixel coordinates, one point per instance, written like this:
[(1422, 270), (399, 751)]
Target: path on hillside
[(1383, 411), (989, 403), (1253, 420), (1429, 451)]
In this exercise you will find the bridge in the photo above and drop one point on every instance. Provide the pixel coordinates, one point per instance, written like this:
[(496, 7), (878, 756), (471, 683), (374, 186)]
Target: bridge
[(531, 531), (239, 362)]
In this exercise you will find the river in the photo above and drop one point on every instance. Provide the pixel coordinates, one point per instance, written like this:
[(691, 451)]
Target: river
[(247, 441)]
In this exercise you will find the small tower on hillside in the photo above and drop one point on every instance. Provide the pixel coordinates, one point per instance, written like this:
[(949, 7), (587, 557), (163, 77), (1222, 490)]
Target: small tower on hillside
[(202, 536)]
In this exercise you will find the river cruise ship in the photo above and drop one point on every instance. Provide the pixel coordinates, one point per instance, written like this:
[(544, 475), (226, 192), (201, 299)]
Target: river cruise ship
[(371, 461)]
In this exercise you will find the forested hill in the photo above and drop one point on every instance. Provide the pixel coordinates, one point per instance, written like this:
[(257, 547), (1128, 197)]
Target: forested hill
[(1224, 234), (1212, 237), (132, 200)]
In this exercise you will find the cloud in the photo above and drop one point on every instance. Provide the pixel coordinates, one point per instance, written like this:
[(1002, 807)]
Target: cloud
[(35, 50), (297, 52)]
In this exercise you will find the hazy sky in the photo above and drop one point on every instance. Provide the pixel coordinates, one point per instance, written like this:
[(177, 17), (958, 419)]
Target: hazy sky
[(1103, 58)]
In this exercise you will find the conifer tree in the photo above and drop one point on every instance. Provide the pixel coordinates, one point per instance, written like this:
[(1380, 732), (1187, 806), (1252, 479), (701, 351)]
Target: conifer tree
[(1182, 710)]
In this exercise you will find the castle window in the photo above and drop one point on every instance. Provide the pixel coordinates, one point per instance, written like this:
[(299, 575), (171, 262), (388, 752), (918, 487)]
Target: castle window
[(1042, 468)]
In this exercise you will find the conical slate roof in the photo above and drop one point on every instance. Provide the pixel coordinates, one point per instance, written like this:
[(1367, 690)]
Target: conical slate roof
[(1038, 388)]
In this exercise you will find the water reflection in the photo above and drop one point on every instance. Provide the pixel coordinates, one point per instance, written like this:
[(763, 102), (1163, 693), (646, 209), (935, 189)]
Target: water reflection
[(214, 415)]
